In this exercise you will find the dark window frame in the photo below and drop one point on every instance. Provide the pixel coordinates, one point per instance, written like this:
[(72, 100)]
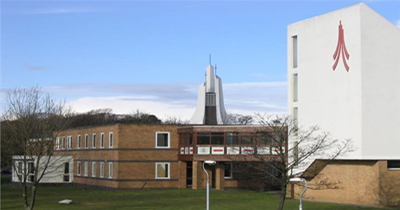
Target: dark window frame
[(393, 164)]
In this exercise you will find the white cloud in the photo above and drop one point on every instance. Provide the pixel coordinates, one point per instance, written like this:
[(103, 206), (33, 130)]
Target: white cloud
[(172, 99), (120, 105), (398, 23)]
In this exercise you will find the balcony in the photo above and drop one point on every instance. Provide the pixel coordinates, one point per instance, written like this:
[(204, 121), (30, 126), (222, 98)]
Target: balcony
[(228, 143)]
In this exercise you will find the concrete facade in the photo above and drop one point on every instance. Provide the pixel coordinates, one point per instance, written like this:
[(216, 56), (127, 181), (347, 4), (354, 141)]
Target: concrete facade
[(361, 103), (343, 76), (55, 169)]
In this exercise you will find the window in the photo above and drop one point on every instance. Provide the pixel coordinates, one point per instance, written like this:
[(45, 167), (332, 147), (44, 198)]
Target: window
[(162, 170), (102, 140), (19, 170), (246, 139), (294, 39), (58, 143), (111, 140), (210, 99), (86, 168), (296, 153), (93, 169), (31, 171), (217, 138), (295, 87), (79, 142), (63, 142), (228, 171), (94, 140), (78, 168), (393, 164), (69, 138), (162, 139), (263, 139), (232, 138), (203, 138), (295, 121), (86, 141), (101, 169), (185, 139), (19, 167), (66, 172), (110, 170)]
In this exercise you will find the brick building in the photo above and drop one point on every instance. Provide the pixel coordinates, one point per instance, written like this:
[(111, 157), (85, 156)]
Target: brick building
[(161, 156), (170, 156)]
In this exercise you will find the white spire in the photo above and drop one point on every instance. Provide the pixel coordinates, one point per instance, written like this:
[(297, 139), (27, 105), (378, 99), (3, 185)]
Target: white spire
[(210, 79), (210, 102)]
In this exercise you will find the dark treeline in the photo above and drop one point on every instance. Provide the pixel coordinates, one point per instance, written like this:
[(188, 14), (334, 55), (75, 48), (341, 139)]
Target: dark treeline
[(106, 117), (75, 120)]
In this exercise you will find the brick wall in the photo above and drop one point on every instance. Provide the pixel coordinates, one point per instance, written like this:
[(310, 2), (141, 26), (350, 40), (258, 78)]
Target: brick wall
[(361, 182), (134, 156), (389, 185)]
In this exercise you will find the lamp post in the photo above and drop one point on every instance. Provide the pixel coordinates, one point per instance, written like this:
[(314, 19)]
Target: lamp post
[(209, 162), (304, 190)]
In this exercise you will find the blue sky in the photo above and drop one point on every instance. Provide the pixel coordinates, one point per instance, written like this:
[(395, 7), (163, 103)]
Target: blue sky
[(151, 55)]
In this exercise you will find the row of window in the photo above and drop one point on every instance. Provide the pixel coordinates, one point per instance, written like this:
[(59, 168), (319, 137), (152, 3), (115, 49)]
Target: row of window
[(162, 141), (230, 138), (66, 142), (31, 170), (94, 172), (295, 81), (162, 170)]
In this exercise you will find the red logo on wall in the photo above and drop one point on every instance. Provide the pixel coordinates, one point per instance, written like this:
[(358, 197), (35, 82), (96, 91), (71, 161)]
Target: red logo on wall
[(341, 50)]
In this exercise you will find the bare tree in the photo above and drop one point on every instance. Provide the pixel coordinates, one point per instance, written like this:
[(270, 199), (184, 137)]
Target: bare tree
[(140, 117), (286, 161), (238, 119), (34, 121), (175, 121)]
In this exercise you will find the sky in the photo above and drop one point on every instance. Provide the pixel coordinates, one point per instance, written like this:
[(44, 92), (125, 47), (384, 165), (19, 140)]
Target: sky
[(152, 55)]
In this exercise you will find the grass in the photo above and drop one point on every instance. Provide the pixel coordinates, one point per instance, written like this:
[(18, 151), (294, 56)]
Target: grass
[(48, 198)]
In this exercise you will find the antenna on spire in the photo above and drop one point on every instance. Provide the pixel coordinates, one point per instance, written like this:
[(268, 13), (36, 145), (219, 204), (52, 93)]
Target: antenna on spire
[(209, 59)]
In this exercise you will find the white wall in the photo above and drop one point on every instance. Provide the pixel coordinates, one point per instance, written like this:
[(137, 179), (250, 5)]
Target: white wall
[(55, 171), (380, 41), (361, 104), (327, 98)]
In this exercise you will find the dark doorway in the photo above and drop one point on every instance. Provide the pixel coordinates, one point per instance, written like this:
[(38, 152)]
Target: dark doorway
[(189, 174)]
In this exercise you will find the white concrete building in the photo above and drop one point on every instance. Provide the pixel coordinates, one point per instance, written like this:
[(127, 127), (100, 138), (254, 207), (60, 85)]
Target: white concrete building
[(344, 76), (58, 169)]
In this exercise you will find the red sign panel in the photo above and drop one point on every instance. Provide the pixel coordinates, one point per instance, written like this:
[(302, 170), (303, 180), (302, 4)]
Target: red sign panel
[(341, 50)]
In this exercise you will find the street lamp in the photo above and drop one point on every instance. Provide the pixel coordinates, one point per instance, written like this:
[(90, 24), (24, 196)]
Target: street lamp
[(209, 162), (304, 190)]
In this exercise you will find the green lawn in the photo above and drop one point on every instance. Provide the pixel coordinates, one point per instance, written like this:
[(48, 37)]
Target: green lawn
[(48, 198)]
